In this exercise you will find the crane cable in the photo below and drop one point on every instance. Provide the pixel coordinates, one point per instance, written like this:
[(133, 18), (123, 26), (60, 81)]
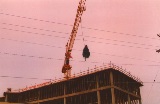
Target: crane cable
[(86, 52), (82, 32)]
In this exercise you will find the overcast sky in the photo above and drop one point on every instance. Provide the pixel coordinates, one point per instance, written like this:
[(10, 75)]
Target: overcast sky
[(121, 31)]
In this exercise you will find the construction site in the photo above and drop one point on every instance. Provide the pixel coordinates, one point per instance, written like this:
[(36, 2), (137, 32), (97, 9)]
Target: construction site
[(107, 84)]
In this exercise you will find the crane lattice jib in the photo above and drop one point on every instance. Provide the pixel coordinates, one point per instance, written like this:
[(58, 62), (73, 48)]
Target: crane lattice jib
[(66, 69), (81, 8)]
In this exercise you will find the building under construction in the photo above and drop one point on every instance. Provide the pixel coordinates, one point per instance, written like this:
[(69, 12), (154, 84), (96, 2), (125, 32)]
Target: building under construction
[(109, 84)]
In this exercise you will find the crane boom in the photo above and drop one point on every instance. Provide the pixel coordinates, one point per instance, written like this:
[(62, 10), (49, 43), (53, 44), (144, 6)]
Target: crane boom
[(80, 10), (67, 67)]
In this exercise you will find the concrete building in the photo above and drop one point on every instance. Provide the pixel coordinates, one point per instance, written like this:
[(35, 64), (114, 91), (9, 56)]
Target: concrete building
[(109, 84)]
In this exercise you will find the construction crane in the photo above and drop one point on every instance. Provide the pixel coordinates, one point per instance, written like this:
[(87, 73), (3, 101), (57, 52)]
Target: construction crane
[(66, 69)]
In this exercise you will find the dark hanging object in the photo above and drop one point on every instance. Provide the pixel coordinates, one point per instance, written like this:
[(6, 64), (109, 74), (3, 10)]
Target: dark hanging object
[(86, 52)]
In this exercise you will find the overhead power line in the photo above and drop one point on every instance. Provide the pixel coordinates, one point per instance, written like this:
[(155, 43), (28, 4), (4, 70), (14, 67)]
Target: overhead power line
[(123, 45), (6, 76), (50, 58), (89, 28), (108, 43), (34, 78), (30, 56), (47, 45), (34, 19), (33, 43), (28, 32), (133, 58), (135, 43), (28, 27), (33, 56)]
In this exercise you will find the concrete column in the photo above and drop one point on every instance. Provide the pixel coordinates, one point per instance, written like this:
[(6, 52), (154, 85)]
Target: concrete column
[(39, 95), (6, 98), (112, 88), (113, 96), (98, 97), (140, 101), (129, 100), (98, 92), (65, 102)]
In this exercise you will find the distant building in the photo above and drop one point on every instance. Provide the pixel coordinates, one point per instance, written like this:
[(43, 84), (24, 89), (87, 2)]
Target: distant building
[(103, 85), (2, 99)]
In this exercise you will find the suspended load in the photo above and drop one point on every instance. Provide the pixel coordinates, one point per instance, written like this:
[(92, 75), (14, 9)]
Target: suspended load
[(86, 52)]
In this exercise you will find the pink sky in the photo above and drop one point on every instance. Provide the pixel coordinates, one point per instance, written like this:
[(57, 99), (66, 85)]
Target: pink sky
[(126, 36)]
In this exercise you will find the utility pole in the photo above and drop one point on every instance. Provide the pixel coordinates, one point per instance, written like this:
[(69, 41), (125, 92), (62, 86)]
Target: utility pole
[(158, 49)]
